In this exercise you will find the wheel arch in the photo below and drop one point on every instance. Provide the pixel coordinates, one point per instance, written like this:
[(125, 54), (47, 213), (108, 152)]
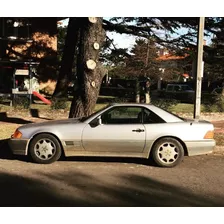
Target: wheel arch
[(168, 136), (49, 133)]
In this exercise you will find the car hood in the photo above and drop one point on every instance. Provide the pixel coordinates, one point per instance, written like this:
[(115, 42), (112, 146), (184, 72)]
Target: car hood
[(51, 123)]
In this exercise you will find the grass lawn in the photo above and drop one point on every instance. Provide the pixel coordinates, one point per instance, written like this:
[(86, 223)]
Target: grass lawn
[(182, 108), (187, 108)]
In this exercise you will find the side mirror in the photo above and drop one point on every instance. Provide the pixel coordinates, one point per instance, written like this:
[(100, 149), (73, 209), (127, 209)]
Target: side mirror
[(96, 122), (99, 120)]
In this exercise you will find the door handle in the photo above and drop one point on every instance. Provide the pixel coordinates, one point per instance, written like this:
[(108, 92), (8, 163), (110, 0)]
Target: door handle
[(138, 130)]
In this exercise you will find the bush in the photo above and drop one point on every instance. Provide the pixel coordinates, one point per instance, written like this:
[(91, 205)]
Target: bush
[(59, 103), (219, 102), (216, 104), (21, 102)]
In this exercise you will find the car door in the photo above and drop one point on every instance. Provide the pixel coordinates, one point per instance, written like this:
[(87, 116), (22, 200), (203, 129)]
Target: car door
[(120, 130)]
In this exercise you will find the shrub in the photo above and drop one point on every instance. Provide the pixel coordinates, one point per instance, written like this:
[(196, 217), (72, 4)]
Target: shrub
[(59, 103), (21, 102), (219, 102), (216, 104)]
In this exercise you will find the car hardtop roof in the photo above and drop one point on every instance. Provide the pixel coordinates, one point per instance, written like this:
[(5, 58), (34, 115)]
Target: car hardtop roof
[(132, 104)]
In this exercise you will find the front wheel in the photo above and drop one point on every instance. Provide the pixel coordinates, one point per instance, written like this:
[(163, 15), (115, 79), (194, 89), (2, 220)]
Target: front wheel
[(45, 149), (168, 152)]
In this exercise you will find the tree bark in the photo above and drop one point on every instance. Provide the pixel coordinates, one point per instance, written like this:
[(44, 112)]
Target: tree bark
[(65, 72), (89, 78)]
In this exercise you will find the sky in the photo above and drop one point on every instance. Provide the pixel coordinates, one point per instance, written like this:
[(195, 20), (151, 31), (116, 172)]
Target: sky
[(128, 41), (120, 40)]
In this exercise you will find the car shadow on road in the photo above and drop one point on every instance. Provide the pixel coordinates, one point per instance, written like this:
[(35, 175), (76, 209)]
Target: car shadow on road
[(141, 161)]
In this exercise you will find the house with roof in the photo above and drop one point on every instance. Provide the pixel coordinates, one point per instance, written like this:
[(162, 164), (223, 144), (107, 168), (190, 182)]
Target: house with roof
[(175, 67)]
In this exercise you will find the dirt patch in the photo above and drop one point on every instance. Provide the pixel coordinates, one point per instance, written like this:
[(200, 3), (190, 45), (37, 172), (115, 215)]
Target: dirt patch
[(219, 126)]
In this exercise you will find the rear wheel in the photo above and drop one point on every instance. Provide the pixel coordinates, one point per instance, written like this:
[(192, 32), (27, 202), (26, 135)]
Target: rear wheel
[(168, 152), (45, 149)]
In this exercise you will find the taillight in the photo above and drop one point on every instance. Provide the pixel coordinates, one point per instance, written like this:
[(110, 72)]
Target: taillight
[(17, 134), (209, 135)]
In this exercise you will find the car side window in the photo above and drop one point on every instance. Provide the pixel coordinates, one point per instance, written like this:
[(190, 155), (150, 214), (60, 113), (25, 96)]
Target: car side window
[(150, 117), (122, 115), (169, 88), (177, 88)]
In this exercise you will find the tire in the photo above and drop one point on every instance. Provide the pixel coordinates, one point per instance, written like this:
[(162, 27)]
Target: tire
[(167, 152), (45, 149)]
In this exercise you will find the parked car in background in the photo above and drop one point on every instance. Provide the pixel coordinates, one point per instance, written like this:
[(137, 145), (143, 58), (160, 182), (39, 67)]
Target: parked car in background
[(181, 92), (119, 130)]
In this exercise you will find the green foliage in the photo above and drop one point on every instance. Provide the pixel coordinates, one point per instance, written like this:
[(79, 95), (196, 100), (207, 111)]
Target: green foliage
[(2, 99), (141, 62), (165, 31), (46, 91), (214, 103), (59, 103), (214, 53), (147, 27), (219, 101), (62, 31), (21, 102)]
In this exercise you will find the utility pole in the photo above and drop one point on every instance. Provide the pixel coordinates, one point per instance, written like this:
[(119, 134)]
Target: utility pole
[(200, 68), (147, 84)]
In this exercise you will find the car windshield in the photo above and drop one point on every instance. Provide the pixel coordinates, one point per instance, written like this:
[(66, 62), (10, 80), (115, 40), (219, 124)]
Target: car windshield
[(184, 88), (82, 119)]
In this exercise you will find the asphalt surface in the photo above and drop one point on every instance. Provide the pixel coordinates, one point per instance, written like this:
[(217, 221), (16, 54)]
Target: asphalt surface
[(197, 181)]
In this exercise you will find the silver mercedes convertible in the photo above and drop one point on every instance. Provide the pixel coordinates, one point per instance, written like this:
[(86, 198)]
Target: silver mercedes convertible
[(118, 130)]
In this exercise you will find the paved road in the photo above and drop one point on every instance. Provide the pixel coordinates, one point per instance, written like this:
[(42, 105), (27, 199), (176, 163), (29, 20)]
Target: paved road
[(197, 181)]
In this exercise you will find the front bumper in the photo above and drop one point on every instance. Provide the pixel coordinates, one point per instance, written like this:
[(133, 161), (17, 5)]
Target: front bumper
[(19, 146), (200, 147)]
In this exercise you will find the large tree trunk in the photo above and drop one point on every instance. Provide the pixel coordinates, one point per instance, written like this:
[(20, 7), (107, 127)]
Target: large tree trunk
[(65, 72), (89, 70)]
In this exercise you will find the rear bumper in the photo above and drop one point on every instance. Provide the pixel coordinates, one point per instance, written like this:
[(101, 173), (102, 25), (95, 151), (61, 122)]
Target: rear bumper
[(19, 146), (200, 147)]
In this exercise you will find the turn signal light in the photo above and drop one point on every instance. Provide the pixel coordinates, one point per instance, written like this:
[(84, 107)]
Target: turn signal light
[(209, 135), (17, 134)]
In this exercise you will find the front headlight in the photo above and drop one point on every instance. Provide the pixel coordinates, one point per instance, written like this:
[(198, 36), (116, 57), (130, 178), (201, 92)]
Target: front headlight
[(17, 134)]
